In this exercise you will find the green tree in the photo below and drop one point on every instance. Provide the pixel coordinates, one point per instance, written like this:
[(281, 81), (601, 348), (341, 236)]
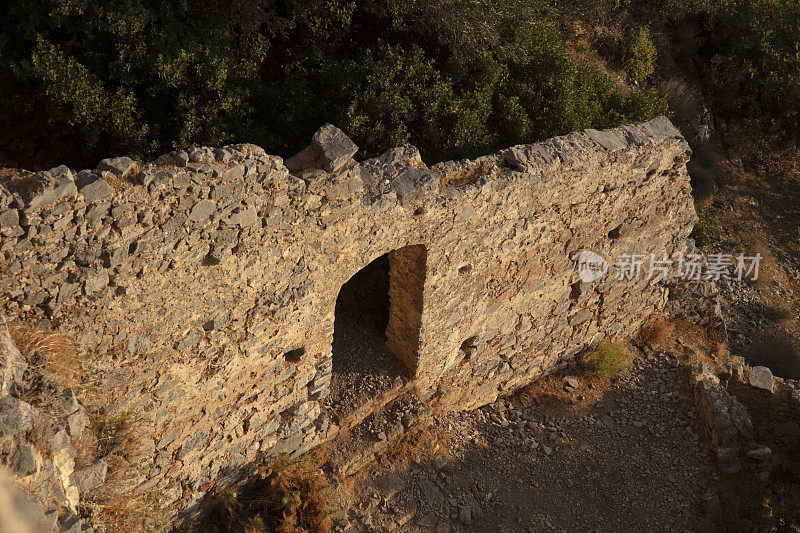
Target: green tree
[(640, 54), (95, 78)]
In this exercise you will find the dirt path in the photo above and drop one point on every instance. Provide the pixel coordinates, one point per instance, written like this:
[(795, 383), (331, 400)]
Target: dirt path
[(630, 460)]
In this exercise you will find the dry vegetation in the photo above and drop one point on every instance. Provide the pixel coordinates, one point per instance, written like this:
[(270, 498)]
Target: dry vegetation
[(56, 359), (596, 368), (111, 437), (286, 496), (51, 352), (116, 506), (698, 343)]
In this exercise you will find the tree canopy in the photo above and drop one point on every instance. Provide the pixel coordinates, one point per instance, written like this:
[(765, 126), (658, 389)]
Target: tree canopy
[(455, 77)]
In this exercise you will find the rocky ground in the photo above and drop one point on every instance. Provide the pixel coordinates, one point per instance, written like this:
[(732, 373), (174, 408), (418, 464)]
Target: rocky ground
[(363, 369), (627, 459)]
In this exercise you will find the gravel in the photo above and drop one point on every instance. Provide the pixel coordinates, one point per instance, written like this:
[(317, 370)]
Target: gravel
[(630, 460)]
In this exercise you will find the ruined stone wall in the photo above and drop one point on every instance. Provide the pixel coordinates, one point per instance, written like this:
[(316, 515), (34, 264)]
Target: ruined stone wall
[(205, 282)]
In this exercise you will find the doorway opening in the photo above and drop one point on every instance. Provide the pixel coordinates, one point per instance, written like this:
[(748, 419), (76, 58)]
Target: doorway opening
[(376, 332)]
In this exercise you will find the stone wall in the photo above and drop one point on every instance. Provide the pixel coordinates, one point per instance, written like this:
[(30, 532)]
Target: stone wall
[(773, 402), (205, 282), (36, 443)]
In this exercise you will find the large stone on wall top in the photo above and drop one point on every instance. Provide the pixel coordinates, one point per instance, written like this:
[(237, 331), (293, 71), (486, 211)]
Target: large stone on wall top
[(51, 186), (93, 187), (330, 149), (412, 185), (119, 166), (336, 147)]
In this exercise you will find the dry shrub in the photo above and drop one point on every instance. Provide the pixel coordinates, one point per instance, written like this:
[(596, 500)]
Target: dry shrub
[(703, 342), (55, 358), (660, 332), (288, 496), (86, 446), (684, 102), (122, 509), (50, 351), (304, 495), (117, 506), (116, 435)]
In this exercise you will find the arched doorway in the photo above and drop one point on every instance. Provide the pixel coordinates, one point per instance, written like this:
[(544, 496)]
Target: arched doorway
[(376, 330)]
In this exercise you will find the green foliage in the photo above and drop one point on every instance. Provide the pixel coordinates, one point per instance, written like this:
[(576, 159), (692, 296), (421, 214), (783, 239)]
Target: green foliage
[(98, 78), (608, 360), (683, 8), (704, 232), (640, 54), (756, 65), (456, 78)]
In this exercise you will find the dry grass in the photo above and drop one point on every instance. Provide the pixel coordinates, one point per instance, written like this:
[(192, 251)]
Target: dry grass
[(697, 343), (58, 355), (304, 495), (287, 496), (660, 332), (50, 351), (116, 435), (683, 100), (673, 333), (121, 509), (601, 49), (117, 506)]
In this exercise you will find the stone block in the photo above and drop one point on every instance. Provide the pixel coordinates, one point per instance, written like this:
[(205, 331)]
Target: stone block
[(16, 416), (761, 377), (77, 422), (23, 461), (68, 402), (94, 191), (202, 210), (53, 188), (9, 218), (119, 166), (90, 478), (414, 184), (336, 147)]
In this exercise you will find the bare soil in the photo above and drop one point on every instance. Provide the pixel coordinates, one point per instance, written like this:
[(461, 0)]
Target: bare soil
[(627, 459)]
